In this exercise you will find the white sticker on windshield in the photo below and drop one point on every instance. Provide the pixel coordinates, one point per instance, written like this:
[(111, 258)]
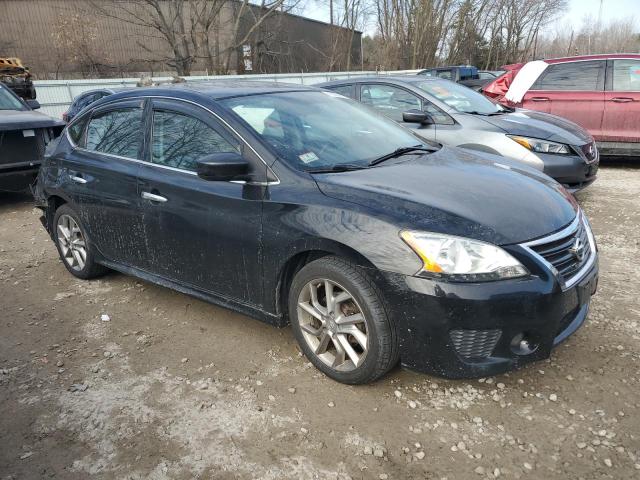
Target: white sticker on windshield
[(28, 133), (308, 157)]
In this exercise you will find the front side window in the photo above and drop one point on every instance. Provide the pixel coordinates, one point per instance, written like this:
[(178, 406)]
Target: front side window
[(575, 76), (389, 100), (180, 140), (462, 98), (626, 75), (116, 132), (315, 130)]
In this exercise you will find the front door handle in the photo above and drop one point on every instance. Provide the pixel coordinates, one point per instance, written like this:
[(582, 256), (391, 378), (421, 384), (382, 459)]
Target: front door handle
[(622, 99), (539, 99), (153, 197), (78, 179)]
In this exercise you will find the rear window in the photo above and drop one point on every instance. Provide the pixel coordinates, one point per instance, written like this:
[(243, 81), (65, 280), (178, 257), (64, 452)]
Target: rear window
[(116, 132), (626, 75), (346, 90), (574, 76)]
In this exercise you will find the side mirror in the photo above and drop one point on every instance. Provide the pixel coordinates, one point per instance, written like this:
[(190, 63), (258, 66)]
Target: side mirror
[(223, 167), (33, 104), (417, 116)]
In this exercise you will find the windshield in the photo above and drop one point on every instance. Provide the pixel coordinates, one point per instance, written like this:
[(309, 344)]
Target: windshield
[(8, 101), (319, 130), (461, 98)]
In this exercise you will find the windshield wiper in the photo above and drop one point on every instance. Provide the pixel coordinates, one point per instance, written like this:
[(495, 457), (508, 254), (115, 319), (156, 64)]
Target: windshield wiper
[(345, 167), (398, 152)]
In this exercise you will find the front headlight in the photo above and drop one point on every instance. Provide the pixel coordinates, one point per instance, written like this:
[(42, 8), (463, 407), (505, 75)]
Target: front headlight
[(541, 146), (462, 259)]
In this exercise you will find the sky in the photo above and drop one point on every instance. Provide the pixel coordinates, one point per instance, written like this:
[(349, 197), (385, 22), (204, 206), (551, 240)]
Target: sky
[(611, 10), (574, 16)]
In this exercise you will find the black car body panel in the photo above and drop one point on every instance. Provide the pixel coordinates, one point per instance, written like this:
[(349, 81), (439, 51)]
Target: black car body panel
[(24, 135), (435, 190), (237, 244)]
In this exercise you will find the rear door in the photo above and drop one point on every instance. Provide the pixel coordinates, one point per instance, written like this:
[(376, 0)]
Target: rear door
[(621, 121), (203, 234), (573, 90), (100, 175)]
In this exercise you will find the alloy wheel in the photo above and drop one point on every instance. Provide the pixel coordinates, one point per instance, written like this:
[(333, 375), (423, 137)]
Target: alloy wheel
[(333, 324), (72, 243)]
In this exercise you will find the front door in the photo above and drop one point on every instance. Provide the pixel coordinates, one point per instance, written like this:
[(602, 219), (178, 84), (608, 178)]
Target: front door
[(203, 234), (101, 175), (392, 102), (621, 121), (573, 90)]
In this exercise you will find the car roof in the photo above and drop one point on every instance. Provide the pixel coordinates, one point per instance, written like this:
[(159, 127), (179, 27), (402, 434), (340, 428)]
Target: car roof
[(216, 89), (399, 79), (601, 56)]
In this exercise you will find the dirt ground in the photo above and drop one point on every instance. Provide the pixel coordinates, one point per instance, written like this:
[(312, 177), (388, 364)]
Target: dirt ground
[(173, 388)]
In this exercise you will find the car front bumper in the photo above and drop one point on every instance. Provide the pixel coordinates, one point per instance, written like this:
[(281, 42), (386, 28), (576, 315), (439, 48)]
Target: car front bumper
[(570, 170), (18, 179), (458, 330)]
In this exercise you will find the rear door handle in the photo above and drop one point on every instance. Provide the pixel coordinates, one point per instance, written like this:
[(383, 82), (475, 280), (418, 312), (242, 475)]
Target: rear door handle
[(622, 99), (539, 99), (78, 179), (153, 197)]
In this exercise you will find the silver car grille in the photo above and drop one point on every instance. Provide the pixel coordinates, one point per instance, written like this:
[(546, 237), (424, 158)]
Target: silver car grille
[(569, 253)]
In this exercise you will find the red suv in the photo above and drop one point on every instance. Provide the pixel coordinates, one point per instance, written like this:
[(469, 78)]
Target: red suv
[(599, 92)]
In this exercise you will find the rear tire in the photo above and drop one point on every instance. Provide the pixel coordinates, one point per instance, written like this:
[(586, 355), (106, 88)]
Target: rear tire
[(75, 250), (338, 318)]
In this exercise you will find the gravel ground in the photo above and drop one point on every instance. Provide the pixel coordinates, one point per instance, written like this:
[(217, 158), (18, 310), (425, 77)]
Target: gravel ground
[(117, 378)]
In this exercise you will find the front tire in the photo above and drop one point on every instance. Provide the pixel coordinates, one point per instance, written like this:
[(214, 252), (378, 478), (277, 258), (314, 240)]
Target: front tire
[(75, 250), (338, 318)]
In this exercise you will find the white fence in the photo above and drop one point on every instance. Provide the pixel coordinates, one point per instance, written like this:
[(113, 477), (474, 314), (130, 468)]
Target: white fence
[(56, 95)]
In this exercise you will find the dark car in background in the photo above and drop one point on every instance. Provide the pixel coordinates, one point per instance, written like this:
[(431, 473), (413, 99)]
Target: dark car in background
[(295, 205), (448, 113), (84, 100), (24, 135), (599, 92)]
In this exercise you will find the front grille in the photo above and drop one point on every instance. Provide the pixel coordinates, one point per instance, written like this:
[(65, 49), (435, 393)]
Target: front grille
[(474, 343), (569, 253), (590, 151)]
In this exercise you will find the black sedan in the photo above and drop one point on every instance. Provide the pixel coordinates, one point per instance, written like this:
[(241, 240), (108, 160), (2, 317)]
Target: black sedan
[(24, 135), (298, 206)]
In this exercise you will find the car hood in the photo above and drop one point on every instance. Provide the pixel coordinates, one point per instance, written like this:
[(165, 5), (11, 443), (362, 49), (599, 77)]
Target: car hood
[(541, 125), (455, 192), (26, 119)]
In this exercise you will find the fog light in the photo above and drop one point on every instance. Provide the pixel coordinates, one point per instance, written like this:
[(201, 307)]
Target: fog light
[(522, 344)]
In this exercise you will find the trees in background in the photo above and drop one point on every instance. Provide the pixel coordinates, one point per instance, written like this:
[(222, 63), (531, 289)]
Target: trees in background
[(209, 30), (420, 33)]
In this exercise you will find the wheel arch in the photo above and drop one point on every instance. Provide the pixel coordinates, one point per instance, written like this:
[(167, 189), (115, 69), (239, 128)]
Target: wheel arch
[(301, 256)]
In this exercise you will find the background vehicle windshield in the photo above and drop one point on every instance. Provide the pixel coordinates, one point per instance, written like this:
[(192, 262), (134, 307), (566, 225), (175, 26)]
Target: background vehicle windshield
[(316, 130), (462, 98), (8, 101)]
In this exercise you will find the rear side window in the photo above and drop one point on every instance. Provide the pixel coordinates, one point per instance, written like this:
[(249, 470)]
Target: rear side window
[(389, 100), (626, 75), (346, 90), (179, 140), (576, 76), (76, 131), (116, 132)]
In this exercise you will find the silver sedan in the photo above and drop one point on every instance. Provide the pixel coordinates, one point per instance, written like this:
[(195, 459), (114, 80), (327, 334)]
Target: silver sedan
[(452, 114)]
